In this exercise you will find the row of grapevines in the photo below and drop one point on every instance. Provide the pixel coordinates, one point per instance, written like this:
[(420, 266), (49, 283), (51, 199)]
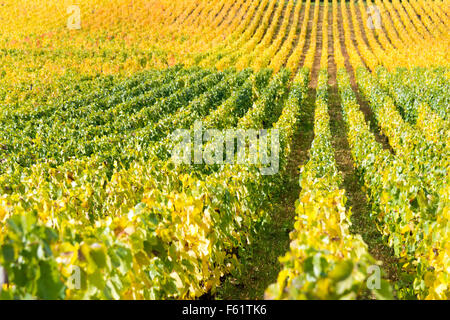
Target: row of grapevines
[(77, 132), (406, 21), (156, 139), (262, 115), (419, 85), (325, 261), (248, 9), (369, 57), (427, 159), (164, 234), (433, 15), (324, 51), (425, 23), (271, 42), (107, 93), (264, 58), (294, 59), (237, 109), (262, 36), (309, 58), (369, 32), (410, 20), (227, 114), (353, 54), (337, 50), (397, 24), (23, 98), (420, 47), (414, 222), (282, 55), (228, 55), (388, 24), (197, 109), (379, 33), (415, 108)]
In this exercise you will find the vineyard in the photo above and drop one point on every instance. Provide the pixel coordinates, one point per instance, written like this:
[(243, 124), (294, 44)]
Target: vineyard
[(351, 199)]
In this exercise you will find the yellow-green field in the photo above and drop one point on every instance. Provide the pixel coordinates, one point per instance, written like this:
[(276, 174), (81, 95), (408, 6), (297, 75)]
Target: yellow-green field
[(350, 200)]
